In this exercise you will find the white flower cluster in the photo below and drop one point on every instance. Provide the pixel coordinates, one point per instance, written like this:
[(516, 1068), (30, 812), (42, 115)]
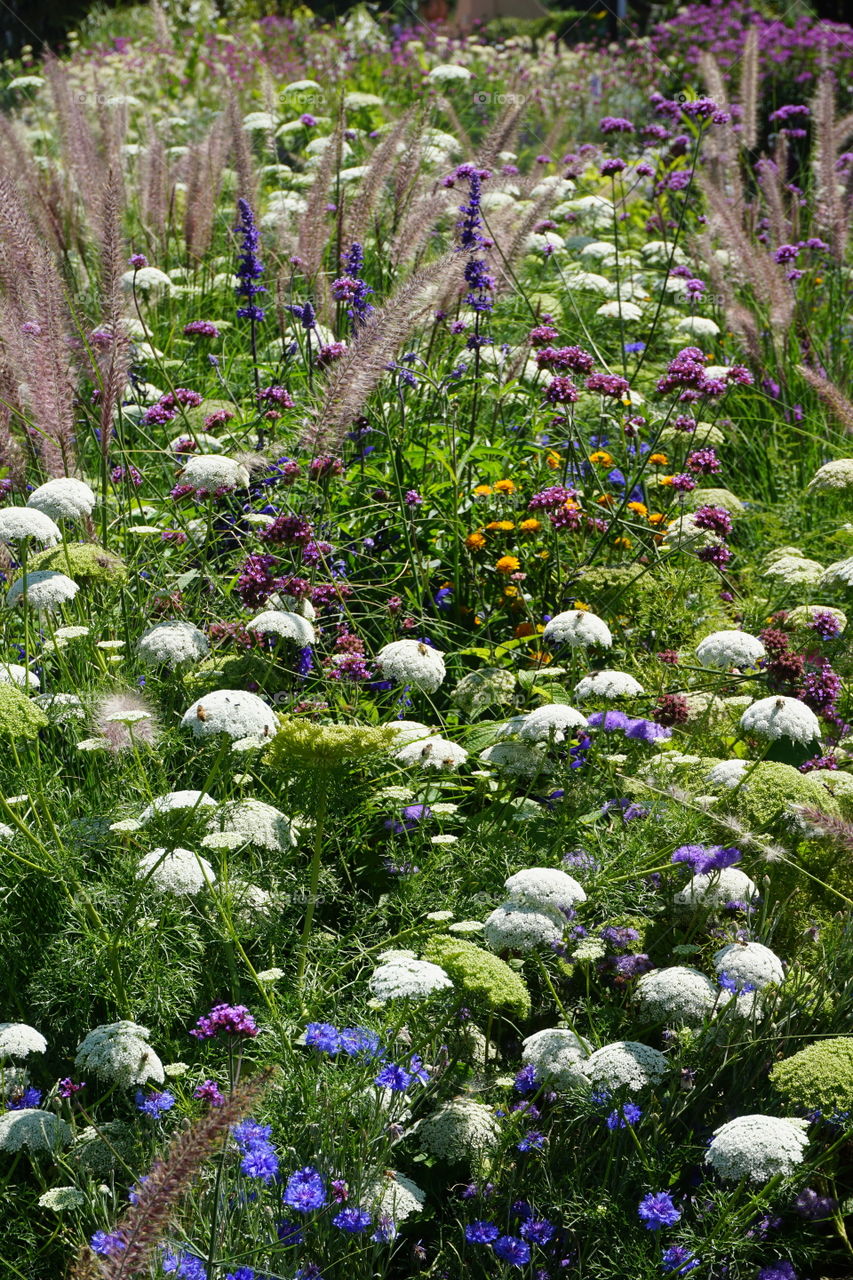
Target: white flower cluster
[(607, 684), (395, 1196), (60, 1198), (626, 1064), (45, 590), (838, 574), (179, 871), (725, 649), (17, 1040), (32, 1128), (712, 889), (172, 644), (172, 802), (837, 474), (551, 723), (516, 927), (14, 673), (17, 523), (231, 711), (212, 471), (63, 499), (411, 662), (119, 1053), (432, 753), (492, 686), (757, 1147), (544, 887), (556, 1055), (779, 717), (728, 773), (290, 626), (403, 977), (676, 995), (515, 759), (577, 628), (459, 1130), (250, 822), (804, 614), (796, 570), (750, 963)]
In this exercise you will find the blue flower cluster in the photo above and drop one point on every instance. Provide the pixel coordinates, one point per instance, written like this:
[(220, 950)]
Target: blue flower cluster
[(259, 1155), (635, 728), (358, 1042)]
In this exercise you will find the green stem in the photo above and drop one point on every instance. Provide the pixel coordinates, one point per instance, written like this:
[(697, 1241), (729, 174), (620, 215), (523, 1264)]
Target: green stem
[(313, 879)]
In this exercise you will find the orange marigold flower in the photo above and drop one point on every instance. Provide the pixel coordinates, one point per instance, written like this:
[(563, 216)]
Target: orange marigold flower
[(601, 457), (504, 525), (530, 526), (475, 541), (658, 459), (504, 486), (605, 500), (639, 508), (553, 460), (524, 629), (539, 658), (624, 544), (508, 564), (667, 480), (657, 517), (482, 490)]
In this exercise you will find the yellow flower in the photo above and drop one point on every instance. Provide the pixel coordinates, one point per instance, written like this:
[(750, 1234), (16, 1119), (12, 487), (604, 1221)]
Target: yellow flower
[(605, 500), (508, 564), (584, 608), (554, 461), (639, 508), (482, 490), (510, 590), (601, 457), (475, 541), (504, 486), (658, 459), (504, 525), (623, 543), (657, 517), (530, 526), (666, 480)]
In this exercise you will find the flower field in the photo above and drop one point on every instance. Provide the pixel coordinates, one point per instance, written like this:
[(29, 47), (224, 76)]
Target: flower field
[(426, 529)]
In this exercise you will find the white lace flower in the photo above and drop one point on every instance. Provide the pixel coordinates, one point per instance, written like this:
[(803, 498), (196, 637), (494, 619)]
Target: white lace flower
[(433, 754), (796, 571), (716, 888), (607, 684), (804, 615), (515, 927), (394, 1196), (778, 717), (725, 649), (32, 1128), (839, 573), (578, 628), (626, 1063), (45, 590), (63, 499), (459, 1131), (60, 1198), (409, 730), (620, 309), (212, 471), (119, 1053), (251, 822), (553, 722), (837, 474), (179, 871), (175, 800), (411, 662), (17, 523), (544, 887), (556, 1055), (172, 644), (233, 712), (13, 673), (728, 773), (18, 1040), (291, 626), (489, 687), (750, 964), (449, 71), (515, 759), (408, 978), (677, 995), (757, 1147), (699, 326), (61, 708), (147, 279)]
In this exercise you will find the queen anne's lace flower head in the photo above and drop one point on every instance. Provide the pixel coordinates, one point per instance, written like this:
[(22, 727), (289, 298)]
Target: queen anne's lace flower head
[(838, 574), (728, 773), (211, 472), (716, 888), (17, 523), (231, 711), (757, 1147), (779, 717), (516, 927), (626, 1064), (119, 1054), (409, 730), (395, 1196), (63, 499), (433, 753), (836, 475), (676, 995), (45, 589), (179, 871), (290, 626), (489, 687), (249, 822), (14, 673), (577, 628), (553, 722), (32, 1128), (515, 759), (544, 887), (796, 570), (17, 1040), (174, 801), (61, 1198), (750, 964), (725, 649), (459, 1131), (172, 644), (412, 662), (607, 684), (556, 1055), (408, 978)]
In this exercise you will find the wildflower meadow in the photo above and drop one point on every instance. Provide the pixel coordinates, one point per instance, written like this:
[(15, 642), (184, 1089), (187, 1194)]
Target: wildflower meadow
[(426, 538)]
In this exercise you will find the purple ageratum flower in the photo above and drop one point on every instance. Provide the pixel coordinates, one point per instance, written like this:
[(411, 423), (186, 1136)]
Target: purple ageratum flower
[(513, 1250), (305, 1190), (658, 1210), (230, 1019), (353, 1221), (201, 329), (678, 1259), (154, 1104), (481, 1232)]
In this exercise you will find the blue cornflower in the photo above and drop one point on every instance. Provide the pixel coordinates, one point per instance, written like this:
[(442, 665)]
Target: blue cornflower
[(242, 1273), (633, 348), (481, 1232), (323, 1036), (106, 1244), (154, 1104), (678, 1258), (779, 1270), (532, 1141), (522, 1209), (734, 985), (305, 1190), (537, 1230), (393, 1077), (512, 1250), (385, 1231), (355, 1040), (352, 1221), (629, 1114), (288, 1232), (29, 1098), (248, 1133), (525, 1080), (260, 1161), (186, 1265), (658, 1210)]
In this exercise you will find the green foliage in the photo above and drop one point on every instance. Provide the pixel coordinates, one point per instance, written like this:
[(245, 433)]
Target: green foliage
[(85, 562), (20, 718), (483, 978), (818, 1078), (772, 790)]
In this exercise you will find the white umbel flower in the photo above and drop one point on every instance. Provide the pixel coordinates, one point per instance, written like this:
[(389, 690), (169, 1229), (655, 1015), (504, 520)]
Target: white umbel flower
[(607, 684), (620, 309), (411, 662), (838, 574), (556, 1055), (291, 626), (175, 800), (544, 887), (172, 644), (61, 1198), (17, 523), (250, 822), (405, 978), (18, 1040), (750, 964), (447, 72), (676, 995), (804, 614), (726, 649), (32, 1128), (434, 754), (626, 1064), (119, 1053), (577, 628), (757, 1147), (797, 571), (728, 773), (179, 871), (395, 1196), (716, 888), (699, 326), (63, 499), (212, 471), (231, 711), (13, 673), (779, 717), (148, 279), (45, 590), (516, 927), (836, 475), (409, 730), (459, 1131), (515, 759), (553, 722)]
